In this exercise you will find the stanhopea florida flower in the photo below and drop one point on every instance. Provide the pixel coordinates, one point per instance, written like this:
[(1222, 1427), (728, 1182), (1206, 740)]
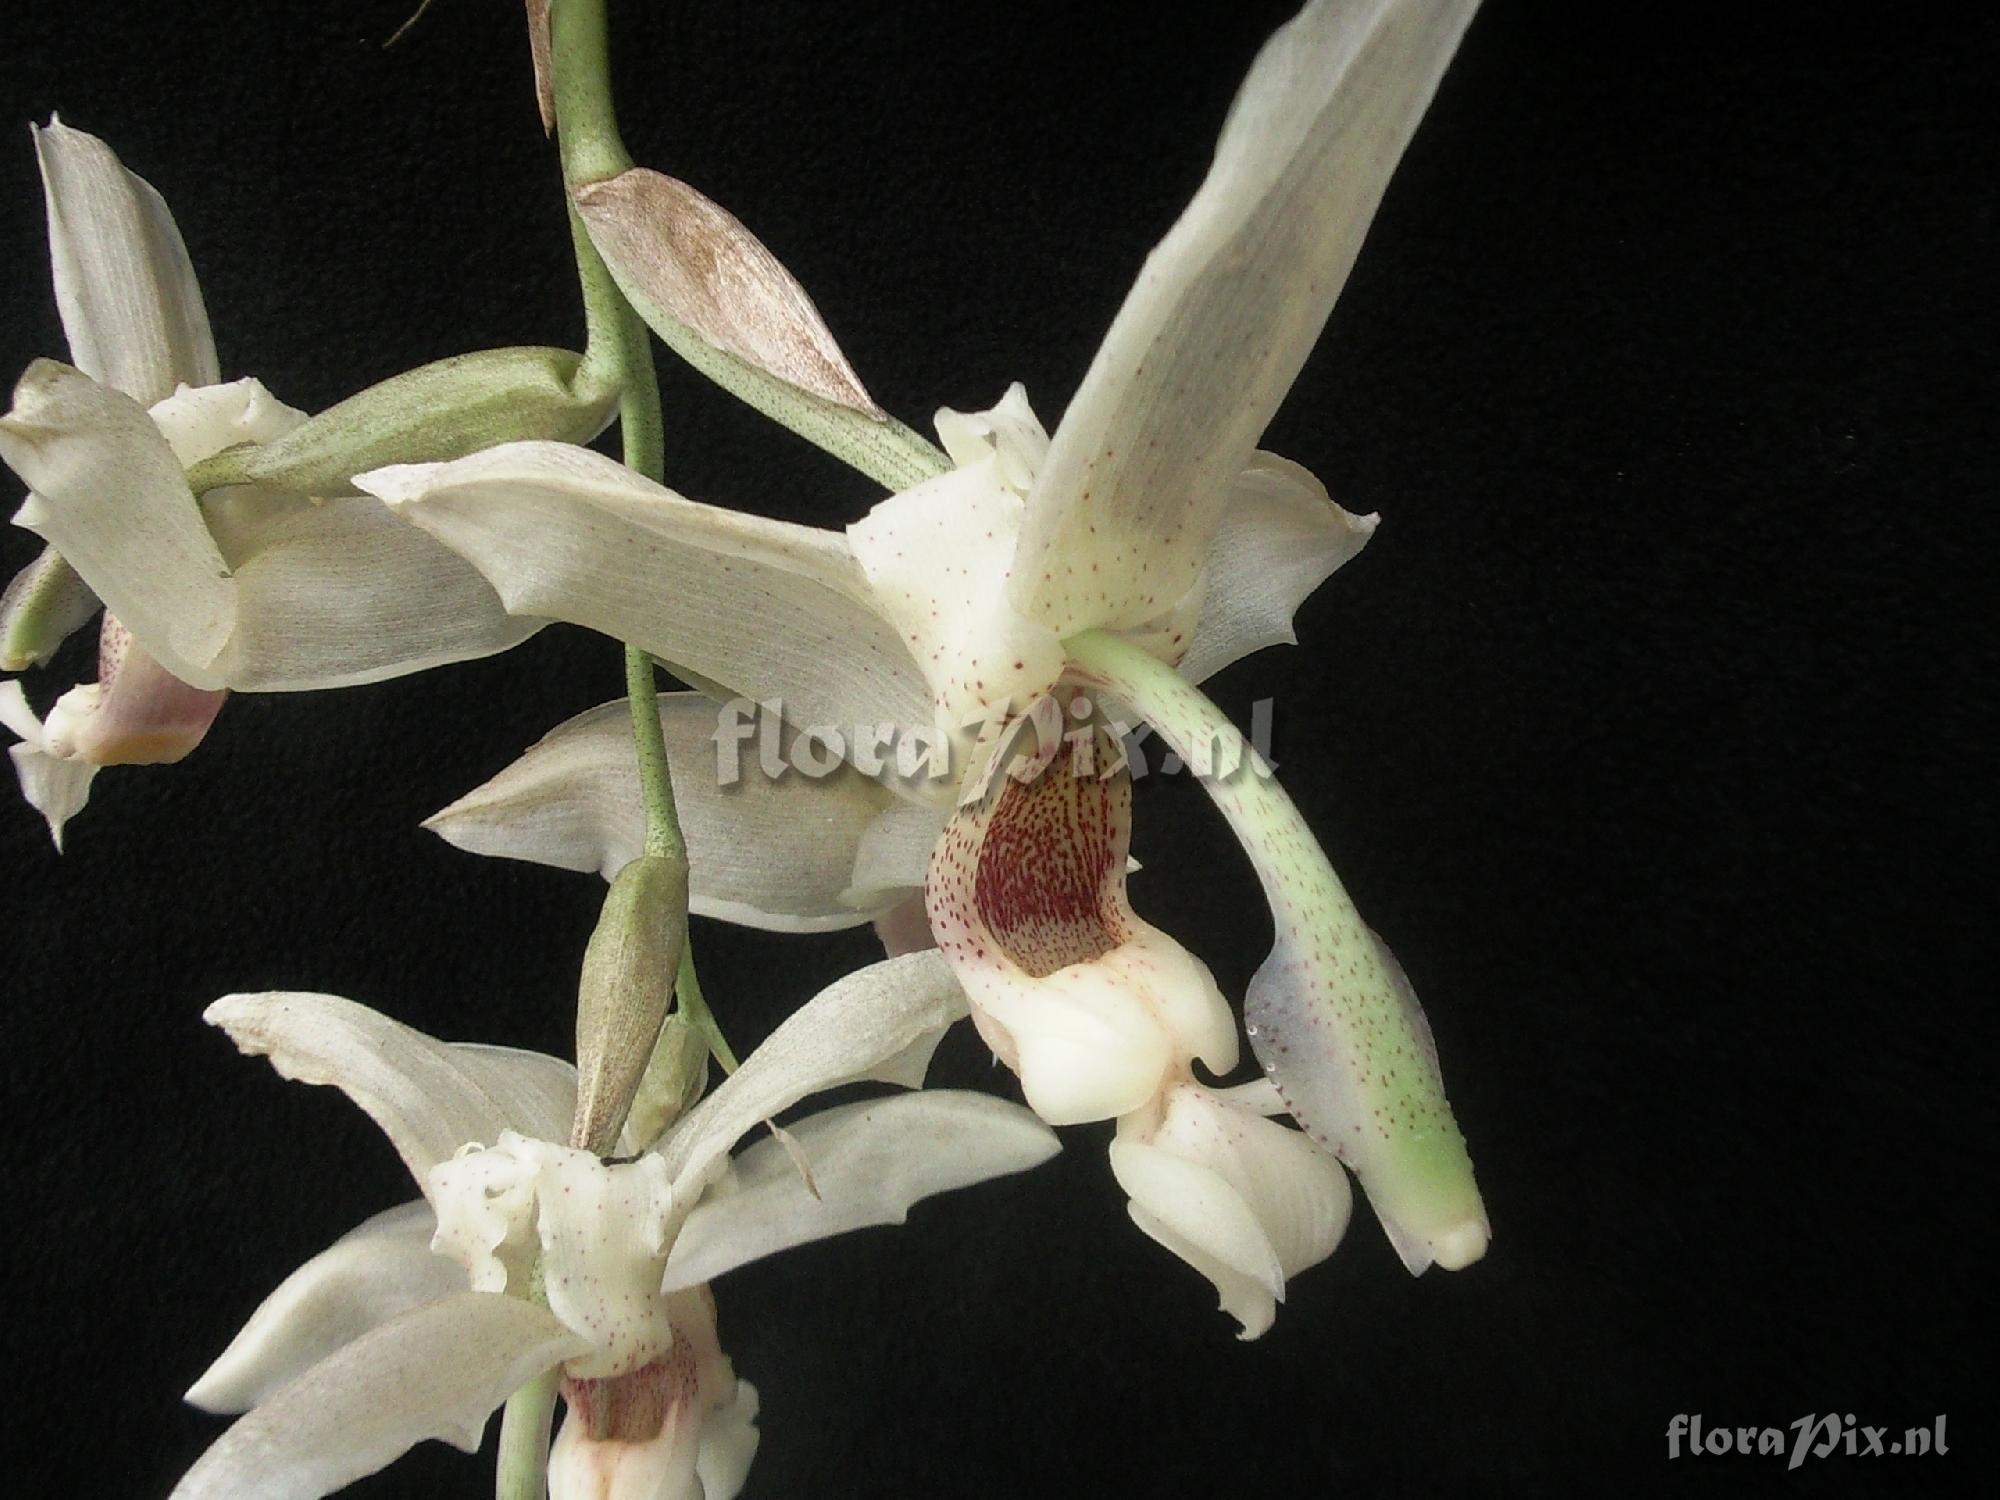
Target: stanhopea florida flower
[(245, 588), (1144, 546), (525, 1255)]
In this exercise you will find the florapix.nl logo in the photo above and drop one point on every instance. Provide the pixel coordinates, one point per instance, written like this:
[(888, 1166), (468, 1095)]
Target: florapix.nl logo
[(1823, 1435)]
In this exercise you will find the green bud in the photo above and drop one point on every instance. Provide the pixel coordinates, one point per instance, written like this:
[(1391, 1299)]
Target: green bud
[(430, 414), (622, 996), (675, 1079)]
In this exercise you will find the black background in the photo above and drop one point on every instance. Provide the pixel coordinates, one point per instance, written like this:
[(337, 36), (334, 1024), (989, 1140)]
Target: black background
[(1644, 730)]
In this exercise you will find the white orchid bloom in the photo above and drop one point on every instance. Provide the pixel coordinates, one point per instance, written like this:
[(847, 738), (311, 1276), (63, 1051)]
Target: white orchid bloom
[(243, 589), (425, 1318), (1147, 535)]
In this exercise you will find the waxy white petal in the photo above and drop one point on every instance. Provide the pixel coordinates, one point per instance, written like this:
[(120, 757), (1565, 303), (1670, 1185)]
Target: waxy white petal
[(603, 1230), (108, 494), (728, 1444), (429, 1097), (340, 592), (130, 305), (567, 534), (54, 786), (1225, 311), (1278, 538), (936, 557), (870, 1161), (199, 421), (774, 853), (1223, 1188), (1093, 1007), (371, 1274), (437, 1371), (845, 1032)]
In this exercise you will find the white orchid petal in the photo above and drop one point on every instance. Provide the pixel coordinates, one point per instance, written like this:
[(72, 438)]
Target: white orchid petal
[(728, 1444), (1009, 431), (567, 534), (373, 1273), (130, 305), (53, 786), (1090, 1005), (429, 1097), (437, 1371), (936, 557), (843, 1033), (870, 1162), (109, 495), (1293, 1187), (773, 853), (136, 714), (894, 851), (1225, 311), (340, 592), (1244, 1297), (1278, 539), (1199, 1208), (602, 1228), (199, 421)]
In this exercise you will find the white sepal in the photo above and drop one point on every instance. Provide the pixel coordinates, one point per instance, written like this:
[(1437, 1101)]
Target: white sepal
[(429, 1097), (375, 1272), (870, 1162), (437, 1371), (767, 852)]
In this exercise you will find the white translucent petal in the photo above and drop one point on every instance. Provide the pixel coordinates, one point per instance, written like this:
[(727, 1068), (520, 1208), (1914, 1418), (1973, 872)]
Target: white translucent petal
[(1278, 538), (429, 1097), (108, 494), (1093, 1007), (130, 305), (765, 852), (894, 851), (728, 1444), (57, 789), (437, 1371), (844, 1032), (339, 592), (1009, 431), (937, 557), (199, 421), (1246, 1298), (603, 1230), (1295, 1188), (373, 1273), (870, 1161), (136, 714), (567, 534), (1225, 311)]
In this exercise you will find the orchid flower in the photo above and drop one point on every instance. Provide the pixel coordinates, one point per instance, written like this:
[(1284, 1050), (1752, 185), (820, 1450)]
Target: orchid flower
[(524, 1254), (246, 588), (1114, 565)]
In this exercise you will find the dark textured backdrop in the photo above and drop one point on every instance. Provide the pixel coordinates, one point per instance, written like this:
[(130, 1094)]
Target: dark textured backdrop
[(1644, 730)]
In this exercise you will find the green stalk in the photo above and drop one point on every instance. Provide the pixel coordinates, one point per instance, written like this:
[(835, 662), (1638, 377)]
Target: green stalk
[(523, 1466), (592, 150)]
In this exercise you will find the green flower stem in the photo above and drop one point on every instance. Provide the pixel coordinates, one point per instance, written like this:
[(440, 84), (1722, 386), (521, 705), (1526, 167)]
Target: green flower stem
[(522, 1471), (592, 149)]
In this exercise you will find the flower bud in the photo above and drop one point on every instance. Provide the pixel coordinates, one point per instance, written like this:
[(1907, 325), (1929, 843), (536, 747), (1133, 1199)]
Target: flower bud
[(434, 413), (675, 1078), (622, 996)]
